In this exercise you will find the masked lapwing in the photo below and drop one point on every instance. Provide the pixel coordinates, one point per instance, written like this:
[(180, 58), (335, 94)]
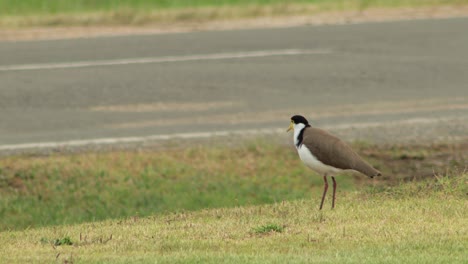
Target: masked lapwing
[(326, 154)]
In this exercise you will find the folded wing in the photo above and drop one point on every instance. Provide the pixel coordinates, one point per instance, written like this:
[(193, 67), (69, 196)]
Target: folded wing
[(331, 151)]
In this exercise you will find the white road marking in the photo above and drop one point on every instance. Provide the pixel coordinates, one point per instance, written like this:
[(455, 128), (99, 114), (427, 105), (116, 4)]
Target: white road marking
[(201, 135), (123, 140), (165, 59)]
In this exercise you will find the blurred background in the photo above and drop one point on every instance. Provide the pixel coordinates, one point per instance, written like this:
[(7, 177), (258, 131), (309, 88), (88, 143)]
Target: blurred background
[(120, 108)]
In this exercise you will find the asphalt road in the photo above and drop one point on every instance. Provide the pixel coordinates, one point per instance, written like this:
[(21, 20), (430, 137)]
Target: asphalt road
[(384, 81)]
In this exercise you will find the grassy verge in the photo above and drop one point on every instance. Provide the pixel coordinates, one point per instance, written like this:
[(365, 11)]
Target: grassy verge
[(57, 189), (37, 191), (117, 12), (416, 222)]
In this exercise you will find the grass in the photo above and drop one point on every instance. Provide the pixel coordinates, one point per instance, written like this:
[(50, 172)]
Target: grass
[(27, 13), (415, 222), (55, 190), (265, 229), (63, 241), (68, 189)]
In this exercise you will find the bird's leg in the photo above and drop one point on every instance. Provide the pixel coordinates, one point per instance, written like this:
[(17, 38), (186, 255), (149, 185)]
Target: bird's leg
[(334, 191), (325, 188)]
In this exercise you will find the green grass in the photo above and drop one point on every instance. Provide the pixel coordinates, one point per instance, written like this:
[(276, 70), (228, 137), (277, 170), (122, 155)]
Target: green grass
[(63, 241), (137, 12), (415, 222), (76, 6), (55, 190), (76, 188), (265, 229)]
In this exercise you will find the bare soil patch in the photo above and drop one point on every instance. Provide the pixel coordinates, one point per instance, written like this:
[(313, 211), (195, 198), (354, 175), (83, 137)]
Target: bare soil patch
[(400, 162)]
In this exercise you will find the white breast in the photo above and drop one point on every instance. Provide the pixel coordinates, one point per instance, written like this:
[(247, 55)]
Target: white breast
[(309, 159), (312, 162)]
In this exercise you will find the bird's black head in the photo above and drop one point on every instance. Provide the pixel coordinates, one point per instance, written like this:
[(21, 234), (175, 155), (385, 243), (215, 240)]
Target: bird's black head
[(298, 119)]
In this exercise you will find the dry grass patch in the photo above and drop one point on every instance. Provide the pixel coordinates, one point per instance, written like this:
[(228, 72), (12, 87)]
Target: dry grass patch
[(86, 13), (384, 227)]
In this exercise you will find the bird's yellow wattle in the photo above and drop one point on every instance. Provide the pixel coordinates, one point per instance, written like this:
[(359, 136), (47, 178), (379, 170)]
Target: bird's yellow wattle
[(291, 126)]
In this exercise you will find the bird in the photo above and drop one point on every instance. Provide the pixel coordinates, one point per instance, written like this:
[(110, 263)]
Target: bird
[(326, 154)]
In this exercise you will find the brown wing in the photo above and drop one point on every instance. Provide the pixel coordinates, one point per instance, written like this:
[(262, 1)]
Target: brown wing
[(331, 151)]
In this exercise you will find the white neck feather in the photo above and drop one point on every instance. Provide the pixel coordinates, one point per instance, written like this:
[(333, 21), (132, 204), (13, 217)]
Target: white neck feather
[(297, 129)]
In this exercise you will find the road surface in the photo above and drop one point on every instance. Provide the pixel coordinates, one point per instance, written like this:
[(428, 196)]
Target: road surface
[(380, 81)]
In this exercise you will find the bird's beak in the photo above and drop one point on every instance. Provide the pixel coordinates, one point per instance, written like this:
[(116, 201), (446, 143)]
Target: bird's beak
[(291, 126)]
